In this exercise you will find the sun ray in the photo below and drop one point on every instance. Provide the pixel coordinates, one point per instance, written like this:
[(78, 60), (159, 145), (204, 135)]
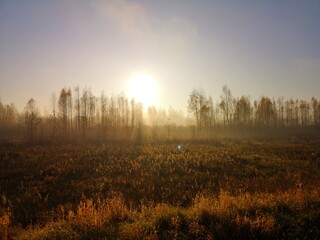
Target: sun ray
[(143, 89)]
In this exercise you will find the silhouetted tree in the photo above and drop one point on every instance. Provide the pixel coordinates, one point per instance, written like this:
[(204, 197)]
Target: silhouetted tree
[(226, 104), (53, 117), (304, 112), (91, 110), (198, 107), (113, 113), (242, 111), (1, 112), (2, 118), (152, 113), (126, 117), (85, 105), (65, 108), (139, 116), (296, 112), (31, 119), (212, 115), (316, 111), (280, 110), (118, 118), (8, 119), (103, 114), (69, 111), (133, 113), (265, 112), (77, 108)]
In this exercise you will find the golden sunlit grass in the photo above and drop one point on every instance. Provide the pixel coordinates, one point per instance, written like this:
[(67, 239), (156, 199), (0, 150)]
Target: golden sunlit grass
[(4, 224), (218, 190), (247, 216)]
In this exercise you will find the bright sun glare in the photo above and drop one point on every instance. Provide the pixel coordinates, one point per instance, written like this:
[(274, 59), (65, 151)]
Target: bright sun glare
[(143, 89)]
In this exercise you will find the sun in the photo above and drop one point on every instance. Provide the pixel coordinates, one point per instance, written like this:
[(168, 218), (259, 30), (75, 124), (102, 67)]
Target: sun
[(143, 89)]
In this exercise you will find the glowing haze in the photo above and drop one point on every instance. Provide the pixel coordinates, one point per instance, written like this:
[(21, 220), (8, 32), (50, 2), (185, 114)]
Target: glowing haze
[(255, 47), (143, 88)]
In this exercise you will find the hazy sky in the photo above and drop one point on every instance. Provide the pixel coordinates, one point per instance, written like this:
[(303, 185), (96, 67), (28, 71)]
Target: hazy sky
[(255, 47)]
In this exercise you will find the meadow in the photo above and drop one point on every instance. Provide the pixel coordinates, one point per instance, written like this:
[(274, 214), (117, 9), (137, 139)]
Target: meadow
[(222, 189)]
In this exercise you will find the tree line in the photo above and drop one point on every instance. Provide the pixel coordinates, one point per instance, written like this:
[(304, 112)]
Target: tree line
[(78, 114), (242, 112)]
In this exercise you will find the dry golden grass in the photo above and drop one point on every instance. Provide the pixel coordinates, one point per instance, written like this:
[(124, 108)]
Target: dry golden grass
[(218, 190), (247, 216), (5, 218)]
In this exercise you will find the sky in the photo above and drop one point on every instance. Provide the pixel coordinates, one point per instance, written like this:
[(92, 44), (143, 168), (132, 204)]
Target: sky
[(257, 48)]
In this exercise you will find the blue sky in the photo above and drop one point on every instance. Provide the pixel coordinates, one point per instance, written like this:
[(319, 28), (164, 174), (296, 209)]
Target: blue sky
[(255, 47)]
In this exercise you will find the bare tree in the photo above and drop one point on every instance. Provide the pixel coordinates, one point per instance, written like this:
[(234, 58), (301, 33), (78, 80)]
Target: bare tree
[(65, 105), (92, 109), (53, 103), (8, 119), (103, 114), (139, 115), (2, 114), (242, 111), (85, 104), (280, 104), (265, 112), (133, 113), (31, 119), (152, 113), (304, 112), (69, 111), (316, 111), (226, 104), (113, 113), (204, 115), (212, 116), (198, 107), (194, 106), (77, 108), (127, 117), (296, 112)]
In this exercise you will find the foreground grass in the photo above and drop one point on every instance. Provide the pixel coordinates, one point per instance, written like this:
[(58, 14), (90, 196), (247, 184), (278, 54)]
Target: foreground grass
[(288, 215), (213, 190)]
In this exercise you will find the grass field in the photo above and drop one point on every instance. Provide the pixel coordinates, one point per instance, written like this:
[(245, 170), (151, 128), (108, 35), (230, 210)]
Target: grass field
[(224, 189)]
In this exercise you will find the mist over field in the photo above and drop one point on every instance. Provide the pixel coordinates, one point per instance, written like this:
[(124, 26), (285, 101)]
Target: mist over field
[(159, 119), (77, 115), (106, 167)]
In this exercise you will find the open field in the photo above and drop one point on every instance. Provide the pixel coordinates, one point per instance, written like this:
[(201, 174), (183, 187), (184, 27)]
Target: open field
[(226, 189)]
